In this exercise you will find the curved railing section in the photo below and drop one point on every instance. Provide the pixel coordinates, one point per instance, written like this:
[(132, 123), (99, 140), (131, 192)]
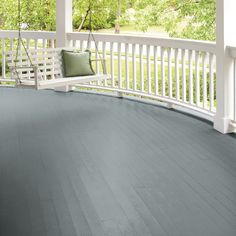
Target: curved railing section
[(175, 71), (181, 72)]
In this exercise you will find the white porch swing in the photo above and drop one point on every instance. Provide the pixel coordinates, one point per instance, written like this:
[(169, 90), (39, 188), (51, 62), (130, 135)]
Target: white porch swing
[(44, 68)]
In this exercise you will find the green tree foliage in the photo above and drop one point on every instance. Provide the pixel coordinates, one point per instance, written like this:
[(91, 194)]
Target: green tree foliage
[(36, 14), (41, 14), (193, 19)]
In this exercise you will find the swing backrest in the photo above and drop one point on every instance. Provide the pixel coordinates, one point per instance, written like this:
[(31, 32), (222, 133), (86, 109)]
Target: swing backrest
[(48, 62)]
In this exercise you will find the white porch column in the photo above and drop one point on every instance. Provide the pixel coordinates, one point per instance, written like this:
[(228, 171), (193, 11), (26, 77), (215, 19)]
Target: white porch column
[(225, 24), (63, 21)]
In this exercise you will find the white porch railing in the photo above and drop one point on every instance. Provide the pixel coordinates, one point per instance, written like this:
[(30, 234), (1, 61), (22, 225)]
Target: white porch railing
[(233, 54), (175, 71), (181, 72)]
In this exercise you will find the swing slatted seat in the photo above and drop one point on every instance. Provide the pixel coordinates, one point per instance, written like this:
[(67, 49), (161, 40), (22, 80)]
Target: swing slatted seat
[(44, 69)]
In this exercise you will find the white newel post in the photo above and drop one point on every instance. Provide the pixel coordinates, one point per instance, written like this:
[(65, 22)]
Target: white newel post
[(225, 31), (63, 22), (63, 26)]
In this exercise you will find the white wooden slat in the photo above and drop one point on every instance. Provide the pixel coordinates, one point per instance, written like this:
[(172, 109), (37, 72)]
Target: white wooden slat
[(170, 93), (134, 67), (44, 47), (88, 45), (28, 48), (35, 49), (149, 79), (183, 61), (97, 57), (42, 68), (81, 45), (177, 74), (204, 77), (96, 46), (31, 74), (127, 65), (20, 54), (72, 81), (11, 48), (3, 59), (112, 64), (163, 79), (234, 83), (32, 56), (119, 66), (54, 59), (211, 73), (57, 62), (36, 44), (52, 44), (104, 56), (44, 44), (74, 43), (28, 44), (190, 61), (156, 70), (197, 72), (141, 67)]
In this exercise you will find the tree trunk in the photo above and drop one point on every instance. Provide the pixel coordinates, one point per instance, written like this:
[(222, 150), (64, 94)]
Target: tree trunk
[(118, 14), (83, 20)]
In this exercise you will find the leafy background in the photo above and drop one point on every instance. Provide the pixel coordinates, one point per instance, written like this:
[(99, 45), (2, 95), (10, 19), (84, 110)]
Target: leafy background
[(193, 19)]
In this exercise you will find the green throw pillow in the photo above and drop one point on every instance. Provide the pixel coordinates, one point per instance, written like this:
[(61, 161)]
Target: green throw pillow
[(77, 63)]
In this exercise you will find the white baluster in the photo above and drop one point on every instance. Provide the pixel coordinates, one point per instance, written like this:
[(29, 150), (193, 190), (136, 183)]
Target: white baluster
[(3, 59), (149, 79), (190, 60), (44, 64), (183, 76), (141, 67), (211, 72), (134, 66), (156, 70), (177, 73), (163, 79), (127, 65), (112, 64), (170, 72), (204, 75), (119, 66), (197, 72), (104, 56)]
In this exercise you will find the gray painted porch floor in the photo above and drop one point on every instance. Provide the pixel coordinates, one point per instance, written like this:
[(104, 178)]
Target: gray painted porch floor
[(80, 164)]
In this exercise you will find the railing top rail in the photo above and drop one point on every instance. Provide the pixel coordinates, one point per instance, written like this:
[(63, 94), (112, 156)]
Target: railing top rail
[(197, 45), (28, 34)]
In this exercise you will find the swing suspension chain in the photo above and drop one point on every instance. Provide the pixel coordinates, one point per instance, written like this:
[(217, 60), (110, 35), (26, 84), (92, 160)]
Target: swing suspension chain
[(91, 36), (20, 42)]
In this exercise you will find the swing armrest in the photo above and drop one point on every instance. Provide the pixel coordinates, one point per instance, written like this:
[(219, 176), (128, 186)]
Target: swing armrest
[(13, 70), (104, 64)]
